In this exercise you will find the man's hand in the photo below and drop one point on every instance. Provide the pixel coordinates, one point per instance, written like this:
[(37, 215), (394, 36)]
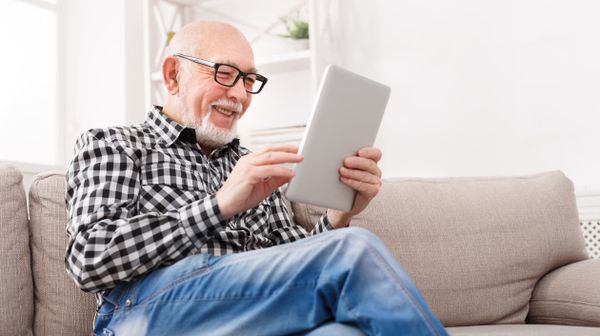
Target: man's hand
[(361, 173), (255, 177)]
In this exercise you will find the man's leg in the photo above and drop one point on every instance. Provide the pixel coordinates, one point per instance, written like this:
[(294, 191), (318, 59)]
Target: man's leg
[(335, 328), (347, 276)]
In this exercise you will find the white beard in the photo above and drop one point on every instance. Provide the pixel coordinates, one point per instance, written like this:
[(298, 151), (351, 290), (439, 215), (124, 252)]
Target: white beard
[(209, 135)]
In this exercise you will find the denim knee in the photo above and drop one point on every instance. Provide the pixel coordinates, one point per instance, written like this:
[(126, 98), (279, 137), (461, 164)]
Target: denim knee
[(360, 235)]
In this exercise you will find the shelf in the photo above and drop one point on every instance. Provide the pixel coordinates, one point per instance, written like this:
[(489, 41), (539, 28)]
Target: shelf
[(286, 62), (188, 2)]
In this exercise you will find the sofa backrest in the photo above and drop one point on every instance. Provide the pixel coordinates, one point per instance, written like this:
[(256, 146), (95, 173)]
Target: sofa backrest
[(475, 247), (61, 308), (16, 289)]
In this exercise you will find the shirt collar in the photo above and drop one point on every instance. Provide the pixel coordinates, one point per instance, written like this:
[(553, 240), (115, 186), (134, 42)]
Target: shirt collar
[(168, 131)]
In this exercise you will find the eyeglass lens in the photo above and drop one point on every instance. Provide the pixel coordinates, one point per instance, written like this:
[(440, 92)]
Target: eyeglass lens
[(227, 74)]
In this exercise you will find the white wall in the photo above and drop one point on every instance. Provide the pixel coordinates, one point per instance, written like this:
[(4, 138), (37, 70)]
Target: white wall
[(29, 126), (493, 87), (103, 65)]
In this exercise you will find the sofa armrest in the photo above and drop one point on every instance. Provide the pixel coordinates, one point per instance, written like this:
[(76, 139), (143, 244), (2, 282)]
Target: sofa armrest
[(568, 295)]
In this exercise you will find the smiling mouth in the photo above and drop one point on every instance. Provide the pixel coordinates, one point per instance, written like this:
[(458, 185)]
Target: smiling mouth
[(224, 111), (227, 108)]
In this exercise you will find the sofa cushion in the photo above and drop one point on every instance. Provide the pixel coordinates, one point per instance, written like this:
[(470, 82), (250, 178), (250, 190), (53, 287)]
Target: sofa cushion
[(16, 288), (475, 247), (569, 295), (523, 330), (61, 307)]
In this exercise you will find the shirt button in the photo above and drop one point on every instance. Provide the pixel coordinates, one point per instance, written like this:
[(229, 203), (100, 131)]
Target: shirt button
[(128, 303)]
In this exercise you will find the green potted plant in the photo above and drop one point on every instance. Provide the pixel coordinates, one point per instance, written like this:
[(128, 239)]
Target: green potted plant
[(296, 31)]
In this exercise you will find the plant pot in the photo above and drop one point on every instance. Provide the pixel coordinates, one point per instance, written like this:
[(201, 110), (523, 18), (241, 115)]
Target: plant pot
[(292, 45)]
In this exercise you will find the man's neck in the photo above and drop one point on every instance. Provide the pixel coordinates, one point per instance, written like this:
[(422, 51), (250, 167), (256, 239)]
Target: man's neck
[(168, 110), (206, 150)]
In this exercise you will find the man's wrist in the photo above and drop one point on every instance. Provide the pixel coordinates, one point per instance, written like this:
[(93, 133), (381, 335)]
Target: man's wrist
[(225, 212), (338, 219)]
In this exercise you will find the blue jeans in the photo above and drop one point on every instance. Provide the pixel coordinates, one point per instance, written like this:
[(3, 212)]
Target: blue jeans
[(342, 282)]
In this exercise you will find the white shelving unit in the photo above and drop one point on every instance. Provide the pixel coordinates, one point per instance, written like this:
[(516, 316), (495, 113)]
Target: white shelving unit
[(285, 62), (280, 111)]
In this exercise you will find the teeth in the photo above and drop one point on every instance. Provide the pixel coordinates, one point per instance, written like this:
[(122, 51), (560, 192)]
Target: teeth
[(227, 107), (223, 111)]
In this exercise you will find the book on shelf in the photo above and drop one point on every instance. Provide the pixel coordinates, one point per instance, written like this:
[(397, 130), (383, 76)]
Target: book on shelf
[(256, 139)]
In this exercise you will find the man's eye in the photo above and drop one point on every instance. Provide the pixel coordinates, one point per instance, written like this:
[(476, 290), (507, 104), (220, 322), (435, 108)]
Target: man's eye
[(225, 74)]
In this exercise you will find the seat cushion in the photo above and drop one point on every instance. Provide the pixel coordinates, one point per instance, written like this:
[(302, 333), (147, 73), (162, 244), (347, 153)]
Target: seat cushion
[(61, 307), (569, 295), (475, 247), (523, 330), (16, 287)]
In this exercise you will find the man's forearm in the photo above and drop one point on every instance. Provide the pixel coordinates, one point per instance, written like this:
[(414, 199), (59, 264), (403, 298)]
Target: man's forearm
[(107, 250)]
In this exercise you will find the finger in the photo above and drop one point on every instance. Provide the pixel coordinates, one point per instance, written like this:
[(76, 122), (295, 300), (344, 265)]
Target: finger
[(361, 163), (272, 158), (360, 175), (289, 148), (372, 153), (265, 172), (369, 190)]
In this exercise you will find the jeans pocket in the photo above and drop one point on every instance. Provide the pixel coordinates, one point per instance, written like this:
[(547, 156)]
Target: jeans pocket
[(103, 317), (104, 313), (107, 308)]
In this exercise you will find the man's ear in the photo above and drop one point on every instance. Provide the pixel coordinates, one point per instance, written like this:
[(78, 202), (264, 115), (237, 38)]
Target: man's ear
[(169, 74)]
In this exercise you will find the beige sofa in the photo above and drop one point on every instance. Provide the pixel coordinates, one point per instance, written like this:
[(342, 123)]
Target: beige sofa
[(492, 256)]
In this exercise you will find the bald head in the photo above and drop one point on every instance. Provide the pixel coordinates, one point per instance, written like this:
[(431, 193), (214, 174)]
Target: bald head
[(204, 39)]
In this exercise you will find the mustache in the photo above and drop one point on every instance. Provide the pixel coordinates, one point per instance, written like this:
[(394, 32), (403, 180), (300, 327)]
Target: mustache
[(227, 104)]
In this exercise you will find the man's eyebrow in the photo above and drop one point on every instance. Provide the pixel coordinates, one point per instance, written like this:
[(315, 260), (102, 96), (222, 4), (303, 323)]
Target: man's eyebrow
[(253, 69)]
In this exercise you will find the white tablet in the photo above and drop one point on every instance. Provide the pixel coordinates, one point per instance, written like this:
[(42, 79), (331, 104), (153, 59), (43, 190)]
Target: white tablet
[(345, 118)]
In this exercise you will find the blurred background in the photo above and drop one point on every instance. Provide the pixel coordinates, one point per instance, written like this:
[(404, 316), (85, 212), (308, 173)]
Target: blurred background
[(492, 87)]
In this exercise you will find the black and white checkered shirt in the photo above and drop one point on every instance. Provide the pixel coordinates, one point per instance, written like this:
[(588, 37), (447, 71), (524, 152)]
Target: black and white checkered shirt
[(143, 196)]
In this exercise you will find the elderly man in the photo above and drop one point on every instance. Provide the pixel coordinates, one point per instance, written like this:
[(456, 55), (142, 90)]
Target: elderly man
[(182, 231)]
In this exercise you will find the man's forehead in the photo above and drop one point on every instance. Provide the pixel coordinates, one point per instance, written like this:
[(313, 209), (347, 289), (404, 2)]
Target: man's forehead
[(226, 47)]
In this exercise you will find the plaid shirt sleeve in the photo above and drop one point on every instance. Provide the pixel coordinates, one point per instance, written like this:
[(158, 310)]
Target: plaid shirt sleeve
[(283, 230), (323, 225), (109, 241)]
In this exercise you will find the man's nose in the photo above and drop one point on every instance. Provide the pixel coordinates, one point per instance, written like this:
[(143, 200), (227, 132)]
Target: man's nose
[(238, 91)]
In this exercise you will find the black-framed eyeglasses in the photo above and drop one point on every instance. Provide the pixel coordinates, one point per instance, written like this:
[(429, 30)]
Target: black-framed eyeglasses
[(228, 75)]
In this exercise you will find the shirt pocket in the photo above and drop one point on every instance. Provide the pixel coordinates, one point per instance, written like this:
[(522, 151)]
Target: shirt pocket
[(168, 186), (171, 174)]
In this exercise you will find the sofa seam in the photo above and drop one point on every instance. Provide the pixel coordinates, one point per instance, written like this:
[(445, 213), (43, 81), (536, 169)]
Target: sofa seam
[(567, 301), (559, 319), (470, 178)]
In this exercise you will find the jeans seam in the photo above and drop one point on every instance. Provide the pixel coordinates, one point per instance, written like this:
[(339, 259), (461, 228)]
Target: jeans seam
[(145, 303), (188, 276)]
